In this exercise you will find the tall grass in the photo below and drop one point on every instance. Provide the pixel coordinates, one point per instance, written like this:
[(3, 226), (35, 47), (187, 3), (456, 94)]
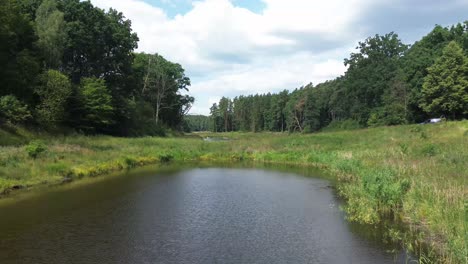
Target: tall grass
[(417, 174)]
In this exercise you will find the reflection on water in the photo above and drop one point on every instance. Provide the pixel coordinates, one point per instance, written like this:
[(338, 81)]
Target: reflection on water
[(198, 215)]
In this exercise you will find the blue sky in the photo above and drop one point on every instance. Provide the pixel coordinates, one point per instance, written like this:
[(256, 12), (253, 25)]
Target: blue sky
[(181, 7), (234, 47)]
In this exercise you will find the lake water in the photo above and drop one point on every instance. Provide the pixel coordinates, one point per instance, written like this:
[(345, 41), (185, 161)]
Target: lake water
[(200, 215)]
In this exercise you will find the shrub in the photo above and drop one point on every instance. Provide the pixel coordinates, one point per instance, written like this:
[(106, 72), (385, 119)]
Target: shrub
[(35, 148), (383, 186), (12, 110), (388, 115), (166, 157)]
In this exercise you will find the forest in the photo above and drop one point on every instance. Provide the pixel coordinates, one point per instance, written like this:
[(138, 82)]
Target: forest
[(67, 66), (387, 83)]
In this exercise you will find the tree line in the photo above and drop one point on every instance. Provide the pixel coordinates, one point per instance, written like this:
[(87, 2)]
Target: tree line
[(386, 83), (65, 64), (196, 123)]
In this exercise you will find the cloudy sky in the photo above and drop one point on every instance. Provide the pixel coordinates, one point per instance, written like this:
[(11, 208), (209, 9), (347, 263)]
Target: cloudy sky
[(234, 47)]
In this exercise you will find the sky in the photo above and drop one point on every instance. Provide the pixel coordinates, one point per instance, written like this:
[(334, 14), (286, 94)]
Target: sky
[(240, 47)]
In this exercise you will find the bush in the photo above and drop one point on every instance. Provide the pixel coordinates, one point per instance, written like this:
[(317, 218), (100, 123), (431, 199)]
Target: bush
[(12, 110), (383, 186), (389, 115), (35, 148), (165, 158)]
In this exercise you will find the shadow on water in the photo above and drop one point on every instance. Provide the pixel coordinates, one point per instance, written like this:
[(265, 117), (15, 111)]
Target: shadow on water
[(191, 213)]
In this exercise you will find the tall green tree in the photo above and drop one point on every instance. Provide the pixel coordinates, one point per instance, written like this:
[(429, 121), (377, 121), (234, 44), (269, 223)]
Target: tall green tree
[(162, 84), (370, 73), (99, 44), (19, 65), (216, 118), (394, 110), (50, 28), (278, 107), (445, 88), (225, 108), (53, 91), (312, 110), (96, 105)]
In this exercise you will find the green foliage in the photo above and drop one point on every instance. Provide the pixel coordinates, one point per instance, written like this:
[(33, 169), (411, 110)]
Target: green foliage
[(99, 43), (388, 115), (161, 83), (225, 113), (18, 65), (145, 93), (445, 88), (251, 113), (12, 110), (384, 186), (53, 91), (96, 104), (370, 70), (421, 56), (85, 42), (395, 105), (35, 148), (196, 123), (383, 86), (50, 28), (295, 111)]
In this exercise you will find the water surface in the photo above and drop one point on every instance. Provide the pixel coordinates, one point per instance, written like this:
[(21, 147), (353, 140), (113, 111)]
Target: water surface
[(189, 216)]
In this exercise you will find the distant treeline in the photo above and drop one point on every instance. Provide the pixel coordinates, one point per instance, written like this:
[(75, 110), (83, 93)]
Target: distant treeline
[(67, 65), (197, 123), (387, 83)]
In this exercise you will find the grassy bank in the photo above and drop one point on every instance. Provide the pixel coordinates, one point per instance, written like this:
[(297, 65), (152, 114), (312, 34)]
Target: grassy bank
[(415, 173)]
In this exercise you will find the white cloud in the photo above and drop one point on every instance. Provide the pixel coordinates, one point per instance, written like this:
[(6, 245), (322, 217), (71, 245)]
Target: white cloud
[(271, 77), (228, 50)]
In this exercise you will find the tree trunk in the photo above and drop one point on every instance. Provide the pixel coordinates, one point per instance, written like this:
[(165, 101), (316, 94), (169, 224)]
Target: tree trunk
[(157, 113), (225, 122)]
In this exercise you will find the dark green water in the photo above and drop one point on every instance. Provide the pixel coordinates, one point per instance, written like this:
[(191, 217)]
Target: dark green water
[(198, 215)]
